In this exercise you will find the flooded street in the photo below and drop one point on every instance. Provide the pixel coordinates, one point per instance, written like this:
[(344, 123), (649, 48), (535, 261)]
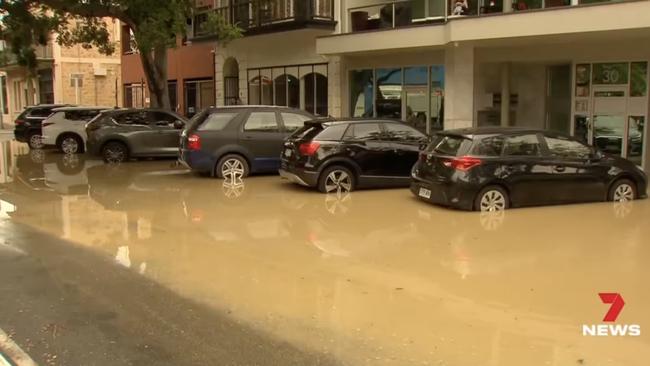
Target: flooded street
[(375, 277)]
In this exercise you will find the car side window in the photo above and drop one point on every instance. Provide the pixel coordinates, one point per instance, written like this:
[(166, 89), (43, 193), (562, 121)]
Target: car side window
[(489, 146), (216, 121), (161, 118), (261, 122), (564, 147), (293, 121), (40, 112), (522, 145), (131, 119), (399, 132), (364, 132)]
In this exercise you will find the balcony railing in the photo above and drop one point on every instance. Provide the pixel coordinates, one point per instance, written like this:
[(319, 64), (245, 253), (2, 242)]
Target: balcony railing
[(400, 13), (258, 14)]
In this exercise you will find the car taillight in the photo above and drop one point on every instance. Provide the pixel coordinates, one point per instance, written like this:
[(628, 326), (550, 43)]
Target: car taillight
[(194, 142), (464, 163), (308, 148), (19, 122)]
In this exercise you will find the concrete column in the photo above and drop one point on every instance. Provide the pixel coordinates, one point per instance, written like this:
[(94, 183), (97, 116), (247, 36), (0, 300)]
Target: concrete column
[(334, 87), (507, 6), (505, 94), (459, 86)]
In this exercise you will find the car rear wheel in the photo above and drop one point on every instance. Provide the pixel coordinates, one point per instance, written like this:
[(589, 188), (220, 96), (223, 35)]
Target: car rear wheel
[(623, 190), (492, 198), (336, 179), (232, 167), (115, 152), (70, 144), (35, 141)]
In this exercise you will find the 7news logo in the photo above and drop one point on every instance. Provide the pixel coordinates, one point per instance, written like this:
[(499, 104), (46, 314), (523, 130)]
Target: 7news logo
[(604, 330)]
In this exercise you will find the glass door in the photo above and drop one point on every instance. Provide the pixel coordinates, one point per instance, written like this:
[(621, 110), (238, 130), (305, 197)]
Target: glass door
[(608, 129)]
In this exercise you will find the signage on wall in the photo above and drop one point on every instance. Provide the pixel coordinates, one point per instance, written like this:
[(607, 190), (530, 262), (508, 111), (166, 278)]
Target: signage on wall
[(610, 73)]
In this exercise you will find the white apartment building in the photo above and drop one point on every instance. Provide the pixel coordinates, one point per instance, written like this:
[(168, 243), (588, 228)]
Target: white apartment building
[(576, 66)]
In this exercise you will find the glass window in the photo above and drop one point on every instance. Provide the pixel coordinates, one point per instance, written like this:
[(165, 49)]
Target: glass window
[(364, 131), (361, 93), (563, 147), (216, 121), (583, 76), (489, 146), (447, 144), (136, 118), (293, 121), (261, 122), (635, 139), (639, 79), (82, 116), (522, 145), (333, 132), (416, 94), (389, 93), (161, 118), (40, 112), (437, 98), (400, 132), (316, 93)]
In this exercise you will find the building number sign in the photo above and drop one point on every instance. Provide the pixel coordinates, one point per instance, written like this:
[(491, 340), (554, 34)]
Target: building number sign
[(610, 73)]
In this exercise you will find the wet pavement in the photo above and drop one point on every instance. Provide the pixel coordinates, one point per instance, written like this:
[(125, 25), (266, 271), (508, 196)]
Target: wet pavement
[(287, 275)]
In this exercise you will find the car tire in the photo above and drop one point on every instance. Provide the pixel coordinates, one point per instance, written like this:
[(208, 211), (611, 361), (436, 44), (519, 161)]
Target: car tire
[(336, 179), (232, 166), (623, 190), (35, 141), (115, 152), (492, 198), (70, 144)]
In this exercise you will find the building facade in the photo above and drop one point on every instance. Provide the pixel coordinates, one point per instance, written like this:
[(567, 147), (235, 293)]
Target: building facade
[(71, 75), (575, 66)]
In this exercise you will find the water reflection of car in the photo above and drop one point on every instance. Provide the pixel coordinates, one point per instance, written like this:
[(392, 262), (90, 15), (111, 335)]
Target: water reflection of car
[(496, 168), (342, 155)]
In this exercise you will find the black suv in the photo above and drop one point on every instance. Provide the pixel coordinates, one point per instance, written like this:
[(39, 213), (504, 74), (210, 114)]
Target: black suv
[(119, 134), (238, 140), (341, 155), (492, 169), (28, 126)]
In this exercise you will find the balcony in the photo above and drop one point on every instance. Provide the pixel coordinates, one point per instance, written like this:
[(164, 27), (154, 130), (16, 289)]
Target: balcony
[(44, 54), (266, 16), (411, 24), (378, 15)]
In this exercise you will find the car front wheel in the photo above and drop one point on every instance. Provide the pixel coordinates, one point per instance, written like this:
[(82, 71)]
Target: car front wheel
[(336, 179), (623, 190), (492, 198)]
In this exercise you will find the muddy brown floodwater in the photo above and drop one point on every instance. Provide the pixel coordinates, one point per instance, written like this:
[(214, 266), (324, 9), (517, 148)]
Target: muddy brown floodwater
[(373, 277)]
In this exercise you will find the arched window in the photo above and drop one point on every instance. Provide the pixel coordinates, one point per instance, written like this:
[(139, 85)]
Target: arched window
[(231, 81), (287, 91), (316, 93), (260, 90)]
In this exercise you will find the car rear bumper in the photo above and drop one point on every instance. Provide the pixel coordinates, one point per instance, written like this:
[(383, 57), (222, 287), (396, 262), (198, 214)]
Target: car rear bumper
[(444, 193), (302, 177), (196, 160), (20, 133)]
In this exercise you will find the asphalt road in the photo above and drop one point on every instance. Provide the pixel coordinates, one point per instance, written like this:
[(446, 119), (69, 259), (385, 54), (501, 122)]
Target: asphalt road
[(64, 305)]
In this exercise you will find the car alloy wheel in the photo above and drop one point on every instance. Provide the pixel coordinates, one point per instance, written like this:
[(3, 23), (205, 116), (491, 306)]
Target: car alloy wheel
[(338, 181), (232, 169), (69, 145), (493, 200), (115, 153), (36, 141), (623, 193)]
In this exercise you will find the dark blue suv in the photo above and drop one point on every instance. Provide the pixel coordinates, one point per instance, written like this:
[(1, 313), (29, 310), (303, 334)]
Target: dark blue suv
[(235, 141)]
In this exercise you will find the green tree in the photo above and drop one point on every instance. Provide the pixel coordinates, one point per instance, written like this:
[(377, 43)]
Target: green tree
[(156, 25)]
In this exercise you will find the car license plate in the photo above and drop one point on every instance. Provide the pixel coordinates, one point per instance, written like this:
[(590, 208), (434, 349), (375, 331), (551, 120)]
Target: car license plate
[(287, 153), (425, 193)]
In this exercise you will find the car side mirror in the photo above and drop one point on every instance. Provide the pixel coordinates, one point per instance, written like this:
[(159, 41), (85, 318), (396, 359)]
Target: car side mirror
[(596, 155), (179, 124)]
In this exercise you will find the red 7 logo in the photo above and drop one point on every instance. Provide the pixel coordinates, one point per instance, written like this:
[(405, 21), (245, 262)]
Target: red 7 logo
[(617, 305)]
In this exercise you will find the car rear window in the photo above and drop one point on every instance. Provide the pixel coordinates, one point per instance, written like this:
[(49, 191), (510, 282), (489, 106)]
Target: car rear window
[(488, 146), (216, 121), (448, 144)]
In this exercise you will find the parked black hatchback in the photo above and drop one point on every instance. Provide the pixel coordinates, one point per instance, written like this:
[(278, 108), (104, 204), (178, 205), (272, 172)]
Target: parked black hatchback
[(28, 125), (340, 156), (120, 134), (236, 141), (496, 168)]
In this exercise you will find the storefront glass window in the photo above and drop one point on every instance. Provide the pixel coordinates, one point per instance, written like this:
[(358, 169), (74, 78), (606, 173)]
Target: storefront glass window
[(638, 79), (388, 98), (415, 92), (437, 98), (361, 93), (610, 73), (583, 76), (636, 126)]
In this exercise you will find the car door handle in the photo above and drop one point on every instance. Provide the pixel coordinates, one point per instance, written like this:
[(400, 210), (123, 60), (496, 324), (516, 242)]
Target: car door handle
[(248, 137), (559, 168)]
